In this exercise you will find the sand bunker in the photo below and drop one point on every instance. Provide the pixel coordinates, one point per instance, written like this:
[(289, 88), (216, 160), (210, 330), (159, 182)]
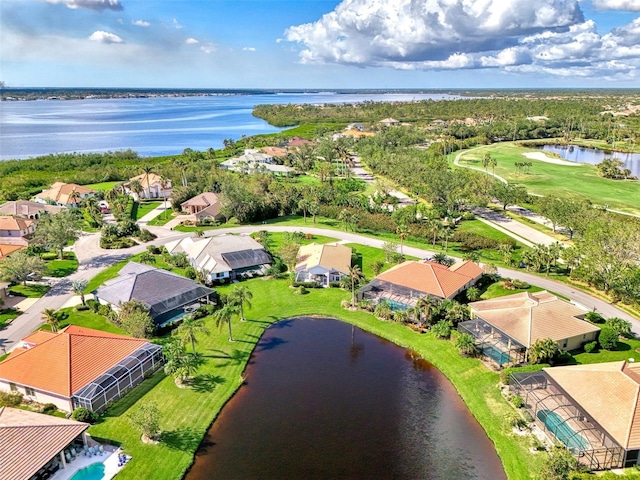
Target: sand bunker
[(543, 158)]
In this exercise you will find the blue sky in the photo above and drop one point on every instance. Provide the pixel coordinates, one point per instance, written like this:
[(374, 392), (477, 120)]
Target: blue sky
[(320, 43)]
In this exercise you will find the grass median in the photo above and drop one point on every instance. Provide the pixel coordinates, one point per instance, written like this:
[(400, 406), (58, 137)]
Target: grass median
[(187, 413)]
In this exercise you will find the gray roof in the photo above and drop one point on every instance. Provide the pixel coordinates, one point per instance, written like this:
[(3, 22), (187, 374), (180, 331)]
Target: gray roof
[(161, 290), (27, 208)]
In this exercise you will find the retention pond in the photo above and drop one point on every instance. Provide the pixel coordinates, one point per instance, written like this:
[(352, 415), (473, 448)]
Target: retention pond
[(325, 400)]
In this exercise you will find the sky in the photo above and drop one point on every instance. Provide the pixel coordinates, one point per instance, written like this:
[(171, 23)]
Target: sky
[(429, 44)]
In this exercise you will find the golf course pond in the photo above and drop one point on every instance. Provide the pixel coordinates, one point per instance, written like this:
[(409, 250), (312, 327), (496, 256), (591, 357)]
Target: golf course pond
[(326, 400)]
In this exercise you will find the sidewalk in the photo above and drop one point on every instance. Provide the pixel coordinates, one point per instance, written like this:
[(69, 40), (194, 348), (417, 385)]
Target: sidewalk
[(519, 231)]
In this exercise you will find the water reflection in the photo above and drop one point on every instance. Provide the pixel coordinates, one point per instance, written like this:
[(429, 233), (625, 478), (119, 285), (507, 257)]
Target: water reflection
[(594, 156), (330, 401)]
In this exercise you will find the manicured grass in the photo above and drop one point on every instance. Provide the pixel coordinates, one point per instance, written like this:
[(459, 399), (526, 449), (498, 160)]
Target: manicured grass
[(497, 289), (103, 186), (30, 290), (162, 219), (140, 209), (367, 256), (559, 180), (7, 315), (106, 274), (62, 268), (627, 348), (87, 319), (187, 413)]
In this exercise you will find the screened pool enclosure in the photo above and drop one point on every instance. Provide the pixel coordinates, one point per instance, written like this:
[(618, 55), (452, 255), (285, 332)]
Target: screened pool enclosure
[(119, 379), (494, 343), (561, 418), (398, 297)]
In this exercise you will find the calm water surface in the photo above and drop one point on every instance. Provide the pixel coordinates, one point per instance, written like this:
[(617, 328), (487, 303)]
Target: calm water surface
[(150, 126), (324, 400), (595, 156)]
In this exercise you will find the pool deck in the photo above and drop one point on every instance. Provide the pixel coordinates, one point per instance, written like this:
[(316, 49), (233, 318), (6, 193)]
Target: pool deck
[(109, 458)]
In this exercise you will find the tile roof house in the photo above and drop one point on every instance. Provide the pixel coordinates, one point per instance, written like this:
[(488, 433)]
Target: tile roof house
[(253, 161), (153, 186), (275, 151), (15, 233), (167, 295), (205, 205), (34, 443), (389, 122), (223, 257), (523, 318), (298, 142), (64, 194), (8, 249), (594, 409), (403, 284), (28, 209), (322, 263), (77, 367)]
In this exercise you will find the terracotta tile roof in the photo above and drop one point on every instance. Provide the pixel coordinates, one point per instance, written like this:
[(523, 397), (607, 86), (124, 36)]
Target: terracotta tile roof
[(203, 200), (145, 181), (6, 249), (15, 224), (527, 317), (275, 151), (608, 392), (60, 192), (73, 357), (330, 256), (30, 440), (298, 142), (432, 278)]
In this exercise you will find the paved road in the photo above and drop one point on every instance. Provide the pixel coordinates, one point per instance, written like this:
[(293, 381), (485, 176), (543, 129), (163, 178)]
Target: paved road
[(521, 232), (93, 259), (362, 174)]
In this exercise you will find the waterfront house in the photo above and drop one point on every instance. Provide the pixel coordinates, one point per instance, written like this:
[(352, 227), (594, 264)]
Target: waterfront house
[(255, 161), (167, 296), (593, 409), (506, 327), (402, 285), (64, 194), (322, 264), (77, 367), (223, 257), (35, 445)]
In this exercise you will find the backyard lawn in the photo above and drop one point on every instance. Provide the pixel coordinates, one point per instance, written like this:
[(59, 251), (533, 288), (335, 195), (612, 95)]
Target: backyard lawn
[(140, 209), (562, 181), (103, 186), (7, 315), (187, 413), (30, 290), (62, 268)]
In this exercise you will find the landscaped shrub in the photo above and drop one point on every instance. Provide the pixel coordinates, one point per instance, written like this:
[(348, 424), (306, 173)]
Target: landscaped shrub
[(594, 317), (49, 409), (505, 375), (590, 346), (442, 329), (608, 338), (154, 250), (10, 399), (82, 414), (618, 325), (520, 284), (306, 284), (93, 304), (473, 241), (517, 401), (81, 308), (145, 235), (49, 256), (191, 273)]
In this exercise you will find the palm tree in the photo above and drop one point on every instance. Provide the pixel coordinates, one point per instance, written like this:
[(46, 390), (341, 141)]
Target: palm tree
[(493, 163), (188, 330), (224, 315), (51, 318), (403, 232), (136, 187), (355, 274), (434, 226), (147, 169), (424, 307), (79, 287), (239, 296), (466, 345), (74, 198), (179, 363)]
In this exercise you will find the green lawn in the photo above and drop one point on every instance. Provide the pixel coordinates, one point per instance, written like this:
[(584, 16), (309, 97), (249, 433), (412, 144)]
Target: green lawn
[(140, 209), (62, 268), (559, 180), (627, 348), (87, 319), (162, 219), (497, 289), (367, 256), (103, 186), (7, 315), (30, 290), (187, 413)]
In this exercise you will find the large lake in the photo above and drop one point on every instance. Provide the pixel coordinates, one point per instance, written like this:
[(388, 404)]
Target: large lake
[(150, 126), (324, 400)]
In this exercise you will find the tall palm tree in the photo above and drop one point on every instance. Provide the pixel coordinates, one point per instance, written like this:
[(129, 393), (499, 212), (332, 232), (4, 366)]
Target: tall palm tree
[(224, 315), (78, 288), (147, 169), (403, 232), (425, 307), (74, 198), (136, 187), (355, 274), (51, 318), (239, 296), (189, 328), (434, 226)]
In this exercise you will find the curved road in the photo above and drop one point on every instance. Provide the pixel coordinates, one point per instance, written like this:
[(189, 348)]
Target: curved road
[(94, 259)]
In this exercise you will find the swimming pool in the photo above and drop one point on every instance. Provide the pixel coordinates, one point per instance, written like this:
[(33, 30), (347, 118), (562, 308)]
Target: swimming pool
[(95, 471), (497, 355), (562, 431)]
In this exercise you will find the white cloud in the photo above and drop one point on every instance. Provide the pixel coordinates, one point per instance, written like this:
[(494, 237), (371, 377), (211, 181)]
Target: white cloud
[(141, 23), (630, 5), (208, 48), (90, 4), (249, 49), (176, 24), (105, 37), (191, 41)]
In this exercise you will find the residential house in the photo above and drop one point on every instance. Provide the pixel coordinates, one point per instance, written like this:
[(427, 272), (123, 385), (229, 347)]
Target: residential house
[(28, 209), (15, 231), (8, 249), (168, 296), (204, 206), (389, 122), (78, 367), (35, 445), (297, 142), (402, 285), (593, 409), (152, 186), (322, 264), (223, 257), (506, 327), (255, 161), (64, 194), (275, 152)]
